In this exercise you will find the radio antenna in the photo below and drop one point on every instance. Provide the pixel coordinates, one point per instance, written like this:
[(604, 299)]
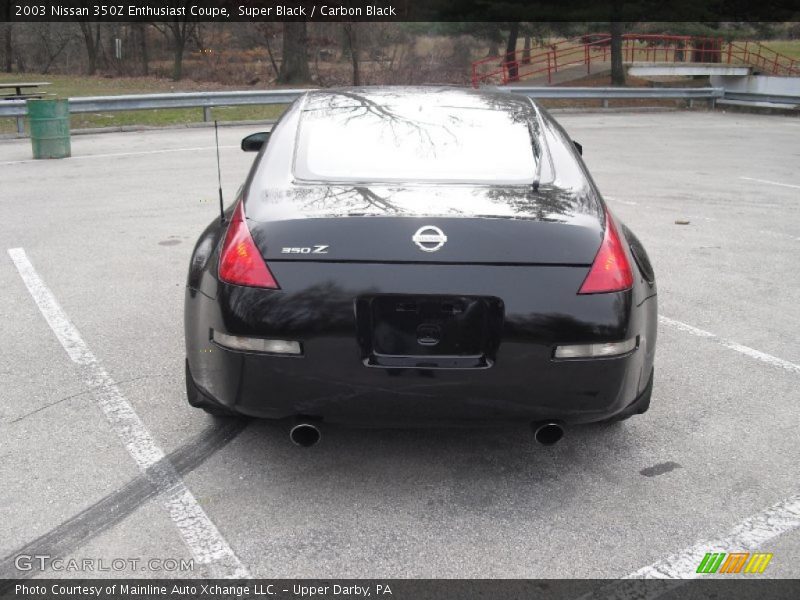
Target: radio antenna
[(219, 175)]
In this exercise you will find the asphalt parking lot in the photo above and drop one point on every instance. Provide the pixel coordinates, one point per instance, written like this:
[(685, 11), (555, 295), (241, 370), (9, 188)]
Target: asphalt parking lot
[(713, 466)]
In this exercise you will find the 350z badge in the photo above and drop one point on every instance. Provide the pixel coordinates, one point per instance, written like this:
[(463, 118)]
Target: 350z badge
[(318, 249)]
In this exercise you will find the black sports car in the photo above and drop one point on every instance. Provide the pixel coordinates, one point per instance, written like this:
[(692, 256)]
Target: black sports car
[(402, 256)]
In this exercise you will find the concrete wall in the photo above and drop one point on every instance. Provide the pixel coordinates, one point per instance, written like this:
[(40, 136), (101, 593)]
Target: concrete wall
[(671, 70), (759, 84)]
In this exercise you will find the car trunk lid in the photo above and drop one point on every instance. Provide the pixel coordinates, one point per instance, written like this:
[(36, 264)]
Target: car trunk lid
[(424, 225)]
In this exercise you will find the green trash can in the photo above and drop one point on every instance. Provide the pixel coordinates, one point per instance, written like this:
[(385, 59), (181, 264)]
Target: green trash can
[(49, 126)]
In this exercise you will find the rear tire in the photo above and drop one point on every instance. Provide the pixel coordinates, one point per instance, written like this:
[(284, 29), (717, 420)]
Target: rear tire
[(199, 400)]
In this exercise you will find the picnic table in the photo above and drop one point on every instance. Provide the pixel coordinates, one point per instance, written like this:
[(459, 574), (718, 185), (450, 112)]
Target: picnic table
[(21, 90)]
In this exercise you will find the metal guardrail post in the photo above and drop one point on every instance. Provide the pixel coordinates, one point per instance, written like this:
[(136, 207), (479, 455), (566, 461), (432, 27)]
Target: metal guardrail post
[(21, 125), (206, 114)]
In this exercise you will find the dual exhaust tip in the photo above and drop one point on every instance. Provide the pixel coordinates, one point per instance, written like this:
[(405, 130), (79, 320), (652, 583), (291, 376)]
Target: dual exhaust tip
[(306, 434), (547, 433)]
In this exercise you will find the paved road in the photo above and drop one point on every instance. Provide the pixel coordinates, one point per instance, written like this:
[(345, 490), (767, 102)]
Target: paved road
[(109, 233)]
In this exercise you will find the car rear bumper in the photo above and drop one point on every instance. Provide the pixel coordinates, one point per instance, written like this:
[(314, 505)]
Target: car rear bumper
[(574, 392), (331, 380)]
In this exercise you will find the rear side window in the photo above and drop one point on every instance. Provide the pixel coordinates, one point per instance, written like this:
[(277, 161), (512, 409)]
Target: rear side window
[(411, 142)]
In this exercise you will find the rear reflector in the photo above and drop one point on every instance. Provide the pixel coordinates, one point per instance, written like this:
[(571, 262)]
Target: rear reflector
[(240, 262), (248, 344), (611, 271), (595, 350)]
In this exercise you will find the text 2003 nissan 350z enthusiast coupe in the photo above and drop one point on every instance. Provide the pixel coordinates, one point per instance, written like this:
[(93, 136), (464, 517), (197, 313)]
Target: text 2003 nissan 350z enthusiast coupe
[(404, 256)]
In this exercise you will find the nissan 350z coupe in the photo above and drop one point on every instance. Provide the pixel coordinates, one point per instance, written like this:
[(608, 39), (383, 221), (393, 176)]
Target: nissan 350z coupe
[(419, 256)]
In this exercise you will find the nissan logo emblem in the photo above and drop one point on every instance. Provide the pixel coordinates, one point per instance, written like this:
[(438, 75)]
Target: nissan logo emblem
[(429, 238)]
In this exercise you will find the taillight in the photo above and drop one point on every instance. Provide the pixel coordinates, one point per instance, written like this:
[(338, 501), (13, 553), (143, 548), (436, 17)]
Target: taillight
[(611, 271), (240, 262)]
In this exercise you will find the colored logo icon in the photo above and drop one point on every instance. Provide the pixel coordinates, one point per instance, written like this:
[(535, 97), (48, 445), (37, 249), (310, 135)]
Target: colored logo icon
[(734, 562)]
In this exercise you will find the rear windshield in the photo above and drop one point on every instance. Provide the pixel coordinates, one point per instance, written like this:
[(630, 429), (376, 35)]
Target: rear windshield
[(413, 142)]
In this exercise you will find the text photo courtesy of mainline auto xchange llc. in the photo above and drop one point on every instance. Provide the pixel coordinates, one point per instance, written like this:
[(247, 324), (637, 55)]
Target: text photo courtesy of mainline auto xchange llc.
[(399, 299)]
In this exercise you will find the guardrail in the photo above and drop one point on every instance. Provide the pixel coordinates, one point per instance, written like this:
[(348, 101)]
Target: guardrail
[(207, 100), (204, 100), (756, 97), (605, 94)]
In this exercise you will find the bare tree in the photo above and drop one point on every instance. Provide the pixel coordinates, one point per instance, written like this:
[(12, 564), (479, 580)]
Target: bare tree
[(294, 66), (533, 32), (141, 34), (178, 31), (8, 35), (511, 52), (51, 40), (526, 50), (492, 33), (268, 31), (617, 67), (9, 46), (91, 40), (616, 27), (351, 40)]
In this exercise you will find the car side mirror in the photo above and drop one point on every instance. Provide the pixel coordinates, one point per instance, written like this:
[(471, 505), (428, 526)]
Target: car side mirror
[(254, 141), (578, 147)]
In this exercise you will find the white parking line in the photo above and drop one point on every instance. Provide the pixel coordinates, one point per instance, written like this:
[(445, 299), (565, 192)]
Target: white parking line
[(789, 185), (198, 531), (748, 535), (615, 199), (751, 352), (113, 154)]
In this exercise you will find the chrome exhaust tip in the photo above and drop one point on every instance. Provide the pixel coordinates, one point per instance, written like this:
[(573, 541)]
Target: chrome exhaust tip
[(547, 433), (305, 435)]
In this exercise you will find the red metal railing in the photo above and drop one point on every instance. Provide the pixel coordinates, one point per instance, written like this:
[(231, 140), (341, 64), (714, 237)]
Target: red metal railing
[(596, 48)]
